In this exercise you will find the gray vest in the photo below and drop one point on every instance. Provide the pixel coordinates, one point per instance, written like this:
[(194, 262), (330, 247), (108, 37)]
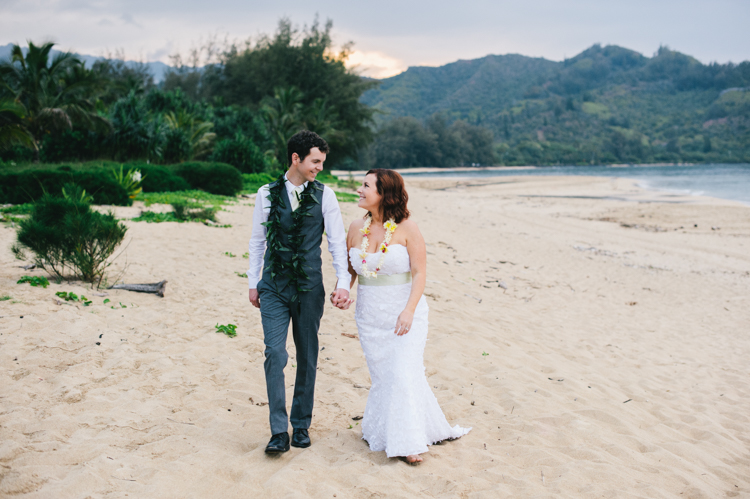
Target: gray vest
[(312, 232)]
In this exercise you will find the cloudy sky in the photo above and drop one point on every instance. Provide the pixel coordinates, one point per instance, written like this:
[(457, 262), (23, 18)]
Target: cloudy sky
[(390, 35)]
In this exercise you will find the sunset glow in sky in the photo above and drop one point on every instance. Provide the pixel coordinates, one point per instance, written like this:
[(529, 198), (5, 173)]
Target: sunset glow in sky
[(389, 36)]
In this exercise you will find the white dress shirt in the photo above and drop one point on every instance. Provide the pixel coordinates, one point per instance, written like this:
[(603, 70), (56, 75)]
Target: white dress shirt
[(334, 227)]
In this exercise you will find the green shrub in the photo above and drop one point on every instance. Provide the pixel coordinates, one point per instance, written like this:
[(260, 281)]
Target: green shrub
[(31, 185), (66, 235), (216, 178), (241, 153), (71, 145), (161, 179)]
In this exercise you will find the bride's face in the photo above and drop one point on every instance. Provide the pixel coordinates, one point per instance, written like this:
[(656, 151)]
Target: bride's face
[(369, 199)]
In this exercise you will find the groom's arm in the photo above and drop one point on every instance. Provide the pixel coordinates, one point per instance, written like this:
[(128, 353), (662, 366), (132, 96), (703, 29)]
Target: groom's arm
[(257, 245), (336, 235)]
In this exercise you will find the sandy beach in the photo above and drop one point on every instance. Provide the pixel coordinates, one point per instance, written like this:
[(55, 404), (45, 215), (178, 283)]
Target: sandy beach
[(595, 335)]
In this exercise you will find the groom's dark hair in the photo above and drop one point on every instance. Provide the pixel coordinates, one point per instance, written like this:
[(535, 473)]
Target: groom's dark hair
[(302, 142)]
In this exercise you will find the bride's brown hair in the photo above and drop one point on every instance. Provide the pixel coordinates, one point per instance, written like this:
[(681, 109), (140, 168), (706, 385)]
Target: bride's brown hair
[(390, 186)]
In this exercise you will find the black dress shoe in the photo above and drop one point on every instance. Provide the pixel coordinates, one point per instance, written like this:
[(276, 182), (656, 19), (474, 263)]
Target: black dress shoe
[(279, 443), (300, 438)]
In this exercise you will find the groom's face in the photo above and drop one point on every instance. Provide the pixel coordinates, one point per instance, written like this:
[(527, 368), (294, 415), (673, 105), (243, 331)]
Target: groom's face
[(309, 167)]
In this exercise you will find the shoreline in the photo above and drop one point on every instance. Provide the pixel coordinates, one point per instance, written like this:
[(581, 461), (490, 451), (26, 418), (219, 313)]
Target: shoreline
[(471, 174), (431, 169)]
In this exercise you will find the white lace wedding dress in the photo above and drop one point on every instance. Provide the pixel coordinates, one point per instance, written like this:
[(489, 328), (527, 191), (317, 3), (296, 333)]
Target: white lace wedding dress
[(402, 416)]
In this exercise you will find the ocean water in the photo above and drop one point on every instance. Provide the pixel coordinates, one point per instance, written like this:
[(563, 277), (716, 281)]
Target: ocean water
[(725, 181)]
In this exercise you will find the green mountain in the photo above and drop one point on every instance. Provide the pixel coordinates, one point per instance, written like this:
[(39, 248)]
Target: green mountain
[(606, 105)]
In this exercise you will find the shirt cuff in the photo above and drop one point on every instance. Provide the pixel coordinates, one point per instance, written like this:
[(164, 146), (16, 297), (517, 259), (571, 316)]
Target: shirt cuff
[(253, 281), (343, 282)]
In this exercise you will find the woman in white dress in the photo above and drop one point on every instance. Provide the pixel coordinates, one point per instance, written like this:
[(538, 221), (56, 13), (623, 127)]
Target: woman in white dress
[(387, 257)]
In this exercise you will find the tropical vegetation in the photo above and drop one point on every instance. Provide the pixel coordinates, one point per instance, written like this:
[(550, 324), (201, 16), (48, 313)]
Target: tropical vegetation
[(239, 110)]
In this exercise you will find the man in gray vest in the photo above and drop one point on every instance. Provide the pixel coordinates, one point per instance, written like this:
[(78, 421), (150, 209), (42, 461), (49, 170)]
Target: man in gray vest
[(290, 217)]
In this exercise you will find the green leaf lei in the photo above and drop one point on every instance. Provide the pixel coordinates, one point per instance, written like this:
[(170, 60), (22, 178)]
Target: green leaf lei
[(294, 268)]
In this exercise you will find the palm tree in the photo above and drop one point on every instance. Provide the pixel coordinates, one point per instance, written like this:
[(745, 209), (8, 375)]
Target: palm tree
[(56, 93), (12, 131), (198, 132), (282, 115), (323, 119)]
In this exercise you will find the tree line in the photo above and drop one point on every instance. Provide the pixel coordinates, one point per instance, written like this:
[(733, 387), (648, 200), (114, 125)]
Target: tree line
[(242, 103), (240, 110)]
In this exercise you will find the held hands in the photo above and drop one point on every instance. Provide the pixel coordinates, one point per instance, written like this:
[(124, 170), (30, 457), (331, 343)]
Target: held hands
[(340, 298), (403, 324)]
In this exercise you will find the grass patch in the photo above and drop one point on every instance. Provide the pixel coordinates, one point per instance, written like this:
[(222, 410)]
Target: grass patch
[(181, 212), (9, 219), (251, 182), (5, 297), (193, 198), (187, 206), (254, 181), (347, 197), (189, 212), (155, 218), (334, 181), (18, 209)]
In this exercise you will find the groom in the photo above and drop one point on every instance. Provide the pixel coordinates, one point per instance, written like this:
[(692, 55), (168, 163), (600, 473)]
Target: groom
[(290, 217)]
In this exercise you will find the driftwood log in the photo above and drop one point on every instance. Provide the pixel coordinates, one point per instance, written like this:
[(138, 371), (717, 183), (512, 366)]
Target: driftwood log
[(157, 287)]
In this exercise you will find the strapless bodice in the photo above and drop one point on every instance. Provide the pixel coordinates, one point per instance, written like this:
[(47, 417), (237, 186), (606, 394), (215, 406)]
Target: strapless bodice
[(396, 260)]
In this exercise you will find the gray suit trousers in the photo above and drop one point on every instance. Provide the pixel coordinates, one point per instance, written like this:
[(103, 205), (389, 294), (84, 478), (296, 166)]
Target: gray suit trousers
[(276, 310)]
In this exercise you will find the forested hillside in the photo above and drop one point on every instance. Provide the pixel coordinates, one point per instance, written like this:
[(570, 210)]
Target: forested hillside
[(606, 105)]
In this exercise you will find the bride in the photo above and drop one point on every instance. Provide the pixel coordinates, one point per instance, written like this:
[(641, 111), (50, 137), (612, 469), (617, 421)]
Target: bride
[(387, 257)]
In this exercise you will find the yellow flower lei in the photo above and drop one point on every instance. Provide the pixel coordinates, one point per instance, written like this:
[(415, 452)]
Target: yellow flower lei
[(390, 227)]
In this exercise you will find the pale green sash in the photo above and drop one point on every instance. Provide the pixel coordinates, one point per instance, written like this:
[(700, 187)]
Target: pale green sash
[(385, 279)]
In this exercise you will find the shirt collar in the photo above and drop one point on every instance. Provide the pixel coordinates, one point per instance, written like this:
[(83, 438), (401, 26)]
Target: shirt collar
[(291, 186)]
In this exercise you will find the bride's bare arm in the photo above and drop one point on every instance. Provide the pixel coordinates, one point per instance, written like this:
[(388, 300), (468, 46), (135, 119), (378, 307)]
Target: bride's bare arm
[(353, 230), (418, 258)]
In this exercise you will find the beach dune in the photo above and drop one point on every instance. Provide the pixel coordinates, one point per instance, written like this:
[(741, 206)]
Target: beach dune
[(595, 335)]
